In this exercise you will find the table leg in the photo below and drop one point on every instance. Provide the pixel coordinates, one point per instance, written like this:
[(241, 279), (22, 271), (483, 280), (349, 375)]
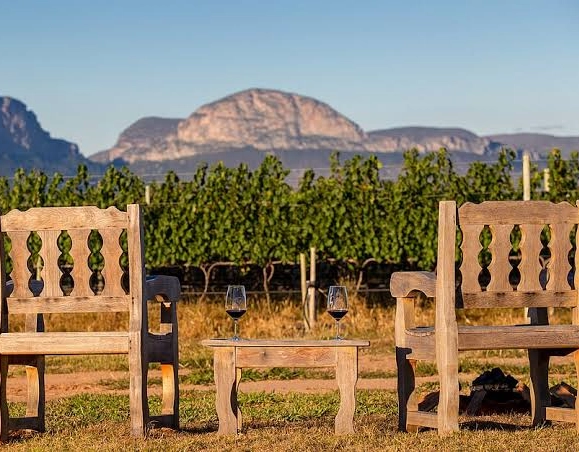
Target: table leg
[(346, 376), (226, 389), (234, 399)]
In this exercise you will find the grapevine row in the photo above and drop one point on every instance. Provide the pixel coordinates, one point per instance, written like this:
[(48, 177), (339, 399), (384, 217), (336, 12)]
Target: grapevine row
[(237, 215)]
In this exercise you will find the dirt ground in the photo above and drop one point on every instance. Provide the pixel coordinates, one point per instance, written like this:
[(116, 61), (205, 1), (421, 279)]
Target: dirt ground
[(60, 385), (64, 385)]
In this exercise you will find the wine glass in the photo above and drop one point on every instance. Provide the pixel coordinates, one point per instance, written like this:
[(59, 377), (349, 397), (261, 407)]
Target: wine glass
[(337, 305), (235, 305)]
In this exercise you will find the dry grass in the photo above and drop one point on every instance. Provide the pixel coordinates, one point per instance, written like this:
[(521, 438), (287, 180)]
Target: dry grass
[(281, 423)]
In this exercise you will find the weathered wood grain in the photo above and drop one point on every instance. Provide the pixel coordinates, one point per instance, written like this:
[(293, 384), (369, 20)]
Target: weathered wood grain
[(516, 299), (29, 348), (81, 273), (446, 339), (230, 356), (224, 374), (112, 271), (500, 268), (228, 342), (423, 418), (68, 304), (346, 377), (530, 265), (63, 218), (138, 325), (445, 322), (495, 337), (50, 253), (517, 212), (404, 284), (69, 343), (558, 266), (470, 267), (20, 273), (560, 414), (255, 357)]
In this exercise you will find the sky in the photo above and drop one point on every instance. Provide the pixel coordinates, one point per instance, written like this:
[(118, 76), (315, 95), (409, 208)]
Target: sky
[(90, 68)]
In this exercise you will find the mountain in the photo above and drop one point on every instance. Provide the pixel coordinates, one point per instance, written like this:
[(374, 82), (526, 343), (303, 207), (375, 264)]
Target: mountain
[(302, 131), (537, 143), (147, 133), (257, 119), (244, 127), (430, 139), (25, 144)]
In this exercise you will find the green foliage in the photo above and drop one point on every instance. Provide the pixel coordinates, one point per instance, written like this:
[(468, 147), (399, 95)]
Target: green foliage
[(563, 177), (242, 216)]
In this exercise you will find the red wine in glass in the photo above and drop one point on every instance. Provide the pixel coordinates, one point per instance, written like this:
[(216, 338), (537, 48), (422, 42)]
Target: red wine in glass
[(337, 314), (235, 306), (235, 314), (337, 305)]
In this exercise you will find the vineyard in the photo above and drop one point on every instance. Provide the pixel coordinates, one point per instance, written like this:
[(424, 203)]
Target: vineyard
[(256, 220)]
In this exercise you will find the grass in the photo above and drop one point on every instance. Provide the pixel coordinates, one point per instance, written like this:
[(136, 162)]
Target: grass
[(284, 422), (292, 421)]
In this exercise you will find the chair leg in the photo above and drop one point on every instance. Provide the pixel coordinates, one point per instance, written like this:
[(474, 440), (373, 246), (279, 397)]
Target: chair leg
[(170, 367), (170, 405), (35, 407), (4, 414), (576, 359), (406, 387), (138, 401), (448, 403), (540, 396)]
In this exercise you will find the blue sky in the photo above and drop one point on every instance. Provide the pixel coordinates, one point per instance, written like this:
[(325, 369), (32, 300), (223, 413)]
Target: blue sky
[(89, 68)]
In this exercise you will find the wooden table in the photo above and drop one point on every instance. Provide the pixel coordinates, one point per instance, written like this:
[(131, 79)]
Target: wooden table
[(230, 356)]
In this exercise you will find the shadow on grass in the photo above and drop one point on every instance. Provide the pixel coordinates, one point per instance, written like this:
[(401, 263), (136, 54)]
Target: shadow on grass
[(475, 425), (20, 436), (199, 429)]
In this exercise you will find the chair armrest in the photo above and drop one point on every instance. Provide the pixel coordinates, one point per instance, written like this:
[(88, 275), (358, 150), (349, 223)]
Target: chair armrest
[(162, 288), (405, 284)]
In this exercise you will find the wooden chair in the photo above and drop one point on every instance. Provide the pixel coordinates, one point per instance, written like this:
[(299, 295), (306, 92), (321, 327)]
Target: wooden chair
[(32, 299), (540, 286)]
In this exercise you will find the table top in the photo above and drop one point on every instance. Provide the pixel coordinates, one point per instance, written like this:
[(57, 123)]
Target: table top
[(229, 342)]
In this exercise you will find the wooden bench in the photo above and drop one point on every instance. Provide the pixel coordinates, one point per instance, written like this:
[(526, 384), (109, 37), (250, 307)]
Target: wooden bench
[(32, 299), (540, 286)]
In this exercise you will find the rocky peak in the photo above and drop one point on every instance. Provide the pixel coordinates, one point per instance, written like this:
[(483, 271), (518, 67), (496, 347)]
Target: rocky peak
[(25, 144), (18, 125), (258, 119), (428, 139), (268, 119), (140, 137)]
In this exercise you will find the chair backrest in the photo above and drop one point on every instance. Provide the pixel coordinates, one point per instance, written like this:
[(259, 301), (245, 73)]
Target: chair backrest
[(22, 296), (540, 273)]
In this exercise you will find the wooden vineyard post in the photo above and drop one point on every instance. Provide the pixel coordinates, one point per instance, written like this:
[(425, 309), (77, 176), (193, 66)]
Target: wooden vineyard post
[(546, 180), (312, 289), (147, 194), (526, 177), (304, 289), (526, 197)]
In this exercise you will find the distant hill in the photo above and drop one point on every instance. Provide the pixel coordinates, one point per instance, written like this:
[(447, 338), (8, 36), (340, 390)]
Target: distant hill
[(244, 127), (147, 133), (430, 139), (24, 144), (537, 143), (302, 131)]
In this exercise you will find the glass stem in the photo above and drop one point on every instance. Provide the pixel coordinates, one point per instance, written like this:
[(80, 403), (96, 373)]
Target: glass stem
[(337, 329), (235, 336)]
